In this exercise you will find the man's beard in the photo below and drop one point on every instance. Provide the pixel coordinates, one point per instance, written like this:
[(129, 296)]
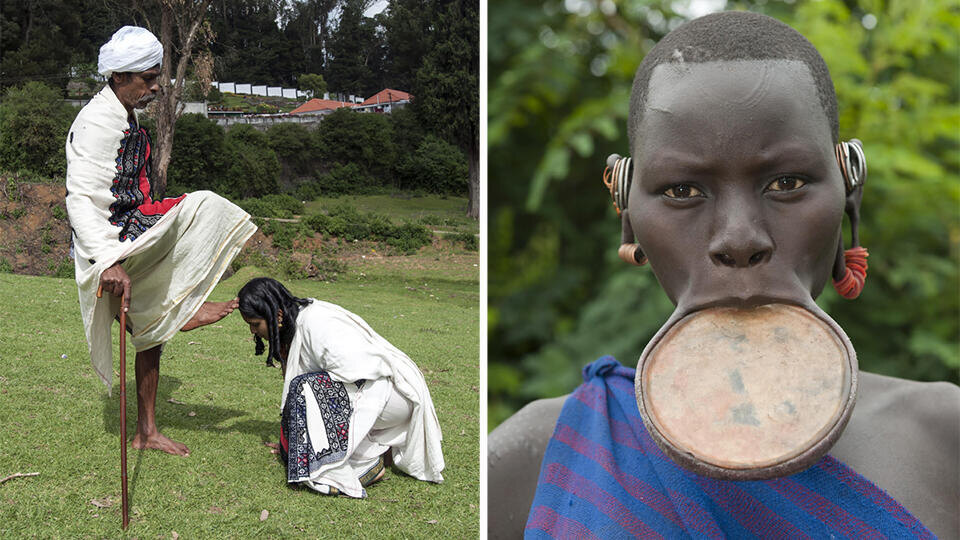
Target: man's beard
[(144, 101)]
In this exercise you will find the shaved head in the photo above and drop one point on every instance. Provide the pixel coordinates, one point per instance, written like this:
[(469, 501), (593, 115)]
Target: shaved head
[(732, 35)]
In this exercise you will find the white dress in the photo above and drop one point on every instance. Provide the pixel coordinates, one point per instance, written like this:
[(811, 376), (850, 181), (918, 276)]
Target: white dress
[(174, 260), (391, 408)]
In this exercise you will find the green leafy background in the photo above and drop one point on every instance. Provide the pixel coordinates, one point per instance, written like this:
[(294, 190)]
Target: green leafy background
[(559, 83)]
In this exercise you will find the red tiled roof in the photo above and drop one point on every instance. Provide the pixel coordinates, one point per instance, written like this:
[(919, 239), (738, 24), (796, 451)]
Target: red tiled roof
[(317, 104), (387, 95)]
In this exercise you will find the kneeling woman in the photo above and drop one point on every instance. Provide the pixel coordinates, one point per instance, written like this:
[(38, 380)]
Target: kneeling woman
[(349, 396)]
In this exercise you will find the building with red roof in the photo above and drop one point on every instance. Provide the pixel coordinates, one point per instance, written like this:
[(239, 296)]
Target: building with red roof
[(318, 107), (385, 101)]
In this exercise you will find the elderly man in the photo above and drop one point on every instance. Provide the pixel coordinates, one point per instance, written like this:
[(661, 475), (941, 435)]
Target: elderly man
[(739, 187), (162, 257)]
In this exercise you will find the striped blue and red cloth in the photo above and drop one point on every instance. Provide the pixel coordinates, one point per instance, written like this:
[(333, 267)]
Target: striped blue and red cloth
[(604, 477)]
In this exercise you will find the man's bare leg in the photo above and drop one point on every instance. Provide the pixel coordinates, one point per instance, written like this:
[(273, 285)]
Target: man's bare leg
[(209, 313), (148, 436)]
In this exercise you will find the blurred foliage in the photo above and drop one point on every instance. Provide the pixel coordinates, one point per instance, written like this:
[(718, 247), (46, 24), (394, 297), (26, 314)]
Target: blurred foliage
[(560, 76)]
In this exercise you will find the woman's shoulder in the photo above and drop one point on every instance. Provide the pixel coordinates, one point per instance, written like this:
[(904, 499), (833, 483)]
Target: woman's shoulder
[(514, 452), (904, 436)]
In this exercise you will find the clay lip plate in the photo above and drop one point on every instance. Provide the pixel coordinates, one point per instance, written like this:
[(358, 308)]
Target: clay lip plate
[(748, 389)]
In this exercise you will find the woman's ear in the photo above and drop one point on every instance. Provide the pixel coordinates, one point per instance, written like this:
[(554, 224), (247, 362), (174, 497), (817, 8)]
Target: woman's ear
[(629, 251), (850, 265), (853, 168)]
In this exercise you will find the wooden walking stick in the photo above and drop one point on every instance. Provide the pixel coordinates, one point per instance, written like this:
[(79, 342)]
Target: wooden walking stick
[(124, 508)]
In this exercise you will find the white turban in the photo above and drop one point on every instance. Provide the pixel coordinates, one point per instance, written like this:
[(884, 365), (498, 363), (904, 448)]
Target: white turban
[(132, 49)]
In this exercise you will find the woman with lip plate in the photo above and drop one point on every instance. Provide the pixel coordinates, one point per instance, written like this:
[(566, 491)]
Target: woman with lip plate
[(734, 196), (349, 396)]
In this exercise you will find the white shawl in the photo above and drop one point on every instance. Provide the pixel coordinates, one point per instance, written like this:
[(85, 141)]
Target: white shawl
[(335, 340), (173, 266)]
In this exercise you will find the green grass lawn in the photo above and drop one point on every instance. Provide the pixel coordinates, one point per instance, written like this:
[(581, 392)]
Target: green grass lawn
[(57, 419), (443, 213)]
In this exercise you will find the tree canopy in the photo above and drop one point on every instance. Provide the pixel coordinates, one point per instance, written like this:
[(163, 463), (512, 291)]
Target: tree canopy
[(313, 83)]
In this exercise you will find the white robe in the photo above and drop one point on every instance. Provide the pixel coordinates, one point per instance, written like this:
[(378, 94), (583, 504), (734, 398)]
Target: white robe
[(173, 266), (334, 340)]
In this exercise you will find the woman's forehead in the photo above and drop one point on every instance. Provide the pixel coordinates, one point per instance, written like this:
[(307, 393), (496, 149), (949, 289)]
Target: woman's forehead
[(714, 107)]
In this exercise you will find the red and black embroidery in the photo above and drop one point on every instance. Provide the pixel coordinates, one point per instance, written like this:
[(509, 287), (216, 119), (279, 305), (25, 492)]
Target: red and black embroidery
[(133, 209)]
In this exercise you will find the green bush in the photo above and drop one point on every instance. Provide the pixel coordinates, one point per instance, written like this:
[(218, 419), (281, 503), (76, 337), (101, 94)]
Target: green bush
[(284, 266), (34, 123), (259, 208), (469, 240), (346, 223), (409, 237), (266, 108), (59, 212), (436, 167), (286, 202), (199, 157), (309, 191), (345, 179), (318, 222), (295, 147), (254, 170), (311, 82), (5, 266), (283, 234), (365, 140), (273, 205), (63, 269)]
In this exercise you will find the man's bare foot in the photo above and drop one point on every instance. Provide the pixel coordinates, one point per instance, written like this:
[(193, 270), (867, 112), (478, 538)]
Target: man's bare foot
[(159, 441), (209, 313), (274, 447)]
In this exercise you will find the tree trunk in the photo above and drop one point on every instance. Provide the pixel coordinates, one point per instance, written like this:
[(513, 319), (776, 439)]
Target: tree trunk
[(473, 208), (166, 108), (184, 24)]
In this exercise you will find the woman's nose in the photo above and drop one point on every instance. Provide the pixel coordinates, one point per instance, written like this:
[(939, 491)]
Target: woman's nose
[(740, 239)]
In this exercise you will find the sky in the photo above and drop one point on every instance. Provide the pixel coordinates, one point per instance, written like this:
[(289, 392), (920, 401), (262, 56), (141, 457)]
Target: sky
[(377, 7)]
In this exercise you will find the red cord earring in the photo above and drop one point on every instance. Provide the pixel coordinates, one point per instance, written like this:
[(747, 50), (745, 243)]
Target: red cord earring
[(855, 274)]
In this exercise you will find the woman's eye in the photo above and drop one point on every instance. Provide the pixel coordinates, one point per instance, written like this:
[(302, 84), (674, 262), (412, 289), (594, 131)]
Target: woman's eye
[(682, 191), (785, 183)]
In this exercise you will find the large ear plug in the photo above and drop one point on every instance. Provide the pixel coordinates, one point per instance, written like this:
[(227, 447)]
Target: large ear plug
[(631, 253), (850, 277), (617, 177)]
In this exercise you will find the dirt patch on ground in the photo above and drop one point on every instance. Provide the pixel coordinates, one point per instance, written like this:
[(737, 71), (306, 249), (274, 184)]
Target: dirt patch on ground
[(34, 231), (35, 240)]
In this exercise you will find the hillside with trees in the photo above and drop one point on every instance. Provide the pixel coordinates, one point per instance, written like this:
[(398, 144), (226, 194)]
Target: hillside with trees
[(332, 45)]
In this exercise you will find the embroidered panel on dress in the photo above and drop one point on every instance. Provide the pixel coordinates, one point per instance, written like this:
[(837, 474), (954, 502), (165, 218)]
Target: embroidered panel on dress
[(302, 459), (131, 185)]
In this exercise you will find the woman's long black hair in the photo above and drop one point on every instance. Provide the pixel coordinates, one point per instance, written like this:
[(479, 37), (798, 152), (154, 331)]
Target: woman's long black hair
[(263, 298)]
